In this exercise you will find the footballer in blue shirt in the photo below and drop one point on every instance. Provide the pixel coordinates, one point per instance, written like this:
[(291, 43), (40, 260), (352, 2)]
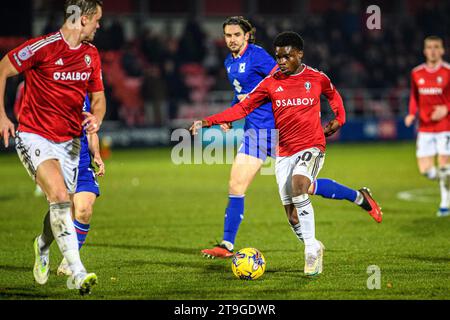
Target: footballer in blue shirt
[(87, 189), (247, 65)]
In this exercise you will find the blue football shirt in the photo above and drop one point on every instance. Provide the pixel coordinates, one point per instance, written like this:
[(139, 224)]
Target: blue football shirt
[(85, 155), (245, 72)]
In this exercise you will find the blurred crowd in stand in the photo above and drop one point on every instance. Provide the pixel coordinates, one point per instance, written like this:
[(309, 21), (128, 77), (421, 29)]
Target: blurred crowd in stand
[(157, 77)]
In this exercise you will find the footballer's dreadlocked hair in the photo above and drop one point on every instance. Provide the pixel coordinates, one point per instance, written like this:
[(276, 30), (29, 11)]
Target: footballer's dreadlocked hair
[(245, 25), (289, 38), (86, 7)]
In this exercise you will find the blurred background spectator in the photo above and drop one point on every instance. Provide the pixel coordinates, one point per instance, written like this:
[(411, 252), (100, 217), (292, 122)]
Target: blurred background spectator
[(163, 60)]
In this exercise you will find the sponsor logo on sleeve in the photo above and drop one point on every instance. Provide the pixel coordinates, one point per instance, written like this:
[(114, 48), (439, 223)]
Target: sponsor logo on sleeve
[(17, 60), (25, 53)]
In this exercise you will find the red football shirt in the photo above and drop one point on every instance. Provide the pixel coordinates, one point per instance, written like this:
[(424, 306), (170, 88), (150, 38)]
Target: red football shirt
[(295, 105), (57, 78), (430, 87), (19, 99)]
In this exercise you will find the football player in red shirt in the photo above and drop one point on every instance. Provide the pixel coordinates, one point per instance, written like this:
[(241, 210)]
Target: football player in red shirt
[(295, 92), (430, 98), (59, 69)]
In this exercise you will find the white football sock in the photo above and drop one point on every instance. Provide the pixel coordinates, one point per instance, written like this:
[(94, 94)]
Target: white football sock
[(359, 198), (228, 245), (431, 174), (46, 238), (444, 177), (65, 235), (305, 214)]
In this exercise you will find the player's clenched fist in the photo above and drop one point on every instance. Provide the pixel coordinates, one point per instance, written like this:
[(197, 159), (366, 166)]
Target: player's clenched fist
[(226, 126), (439, 112), (6, 128), (409, 120), (100, 164), (197, 125), (331, 128)]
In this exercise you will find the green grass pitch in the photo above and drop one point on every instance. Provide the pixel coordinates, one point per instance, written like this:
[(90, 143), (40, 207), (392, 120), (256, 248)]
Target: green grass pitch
[(153, 218)]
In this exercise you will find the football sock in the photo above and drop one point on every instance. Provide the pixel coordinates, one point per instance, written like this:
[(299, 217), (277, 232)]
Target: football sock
[(65, 235), (444, 177), (46, 238), (227, 245), (359, 198), (330, 189), (431, 174), (305, 214), (82, 231), (234, 214)]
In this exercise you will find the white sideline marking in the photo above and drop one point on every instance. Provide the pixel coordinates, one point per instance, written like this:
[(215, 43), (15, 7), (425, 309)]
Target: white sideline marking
[(427, 195)]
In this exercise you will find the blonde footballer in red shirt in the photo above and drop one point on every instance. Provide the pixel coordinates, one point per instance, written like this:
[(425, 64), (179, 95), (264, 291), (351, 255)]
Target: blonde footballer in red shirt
[(59, 69), (295, 92), (430, 98)]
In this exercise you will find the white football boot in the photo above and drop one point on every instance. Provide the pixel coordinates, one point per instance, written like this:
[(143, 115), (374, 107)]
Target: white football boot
[(314, 263), (83, 282), (64, 269), (41, 268)]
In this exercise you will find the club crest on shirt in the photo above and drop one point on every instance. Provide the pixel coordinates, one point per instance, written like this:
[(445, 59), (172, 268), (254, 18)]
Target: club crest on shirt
[(25, 53), (439, 79), (87, 59), (307, 85), (242, 67), (421, 81)]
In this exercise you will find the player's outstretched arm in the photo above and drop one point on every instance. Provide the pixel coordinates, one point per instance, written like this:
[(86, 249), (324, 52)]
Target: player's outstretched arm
[(240, 110), (197, 125), (6, 126), (94, 148)]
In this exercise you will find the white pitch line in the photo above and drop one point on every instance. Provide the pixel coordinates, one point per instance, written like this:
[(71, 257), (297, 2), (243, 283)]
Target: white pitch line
[(427, 195)]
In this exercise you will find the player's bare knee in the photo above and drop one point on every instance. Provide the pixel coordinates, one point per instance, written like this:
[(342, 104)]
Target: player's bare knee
[(236, 187), (300, 185), (58, 196), (300, 188), (83, 213)]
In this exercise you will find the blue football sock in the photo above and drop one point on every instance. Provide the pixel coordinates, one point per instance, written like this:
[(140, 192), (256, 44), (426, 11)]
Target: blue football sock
[(82, 231), (234, 214), (330, 189)]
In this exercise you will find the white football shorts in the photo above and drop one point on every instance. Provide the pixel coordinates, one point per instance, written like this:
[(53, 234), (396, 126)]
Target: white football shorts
[(307, 163), (34, 149), (433, 143)]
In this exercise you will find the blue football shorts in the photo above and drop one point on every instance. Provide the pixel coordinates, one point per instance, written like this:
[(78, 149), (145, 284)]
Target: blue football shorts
[(259, 143), (87, 181)]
